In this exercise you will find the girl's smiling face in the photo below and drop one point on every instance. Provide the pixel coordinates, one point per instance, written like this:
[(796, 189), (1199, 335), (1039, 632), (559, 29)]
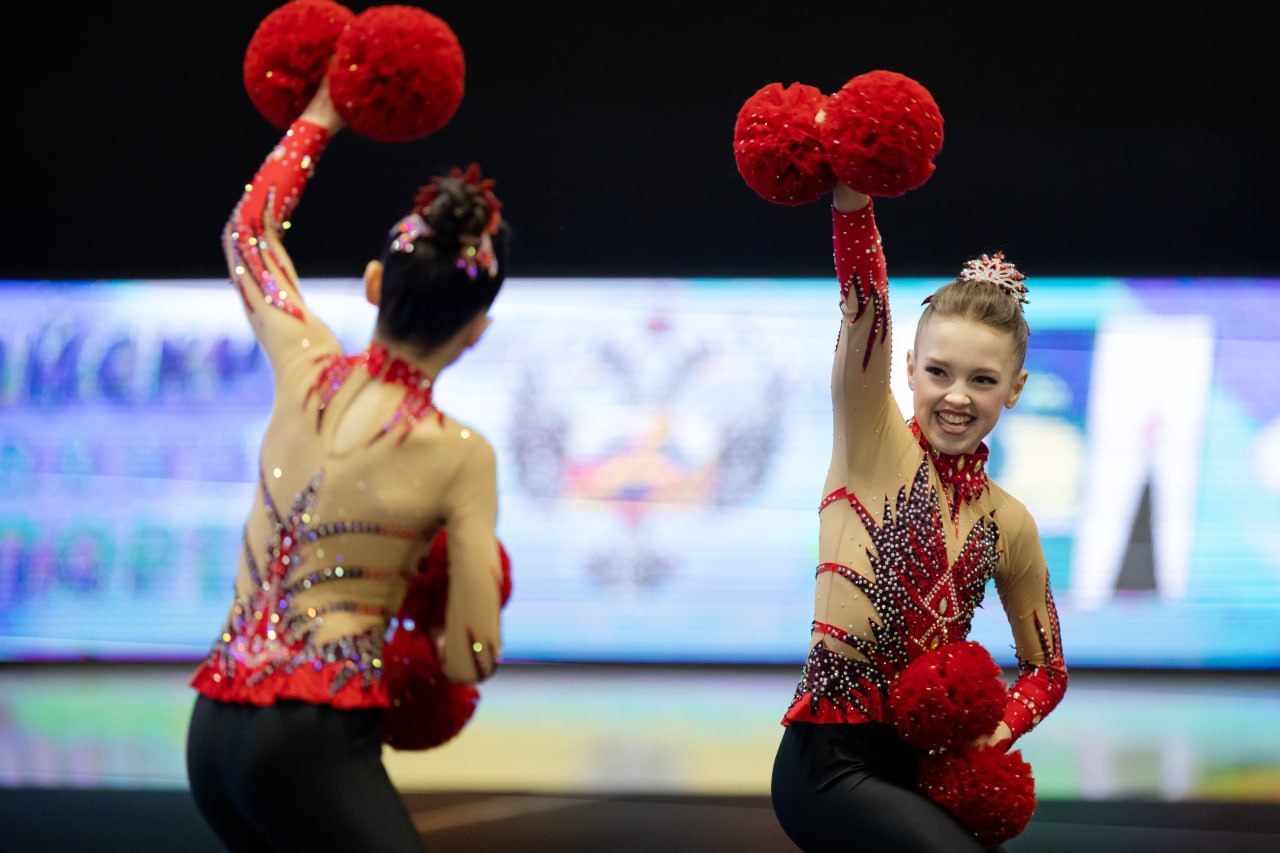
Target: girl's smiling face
[(962, 373)]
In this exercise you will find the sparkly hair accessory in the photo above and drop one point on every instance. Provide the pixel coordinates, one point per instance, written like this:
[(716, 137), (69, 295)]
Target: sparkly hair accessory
[(477, 250), (477, 255), (993, 269), (407, 231)]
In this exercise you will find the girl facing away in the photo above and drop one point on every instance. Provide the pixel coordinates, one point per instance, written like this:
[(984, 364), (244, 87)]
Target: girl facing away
[(910, 531), (357, 473)]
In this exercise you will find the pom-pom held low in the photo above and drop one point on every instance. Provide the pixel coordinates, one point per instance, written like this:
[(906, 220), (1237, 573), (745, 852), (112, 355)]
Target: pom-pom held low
[(427, 709), (992, 793), (948, 696)]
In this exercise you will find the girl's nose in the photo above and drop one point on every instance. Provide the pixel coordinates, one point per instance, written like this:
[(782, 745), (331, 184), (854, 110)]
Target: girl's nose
[(957, 397)]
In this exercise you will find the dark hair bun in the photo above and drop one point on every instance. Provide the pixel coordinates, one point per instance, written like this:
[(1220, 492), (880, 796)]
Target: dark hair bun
[(459, 205), (458, 210)]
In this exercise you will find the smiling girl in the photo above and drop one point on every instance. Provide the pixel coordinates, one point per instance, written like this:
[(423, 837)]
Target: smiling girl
[(910, 531)]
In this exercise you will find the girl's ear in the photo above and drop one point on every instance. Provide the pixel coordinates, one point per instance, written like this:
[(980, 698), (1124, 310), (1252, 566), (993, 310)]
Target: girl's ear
[(1018, 384), (911, 369), (373, 282)]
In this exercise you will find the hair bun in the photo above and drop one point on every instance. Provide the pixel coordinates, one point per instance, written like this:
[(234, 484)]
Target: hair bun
[(461, 204), (456, 211)]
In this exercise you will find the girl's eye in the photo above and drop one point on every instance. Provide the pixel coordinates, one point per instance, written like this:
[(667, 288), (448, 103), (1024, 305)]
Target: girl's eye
[(935, 371), (985, 380)]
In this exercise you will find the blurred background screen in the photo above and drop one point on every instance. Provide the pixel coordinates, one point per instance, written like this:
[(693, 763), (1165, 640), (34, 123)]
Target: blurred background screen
[(662, 445)]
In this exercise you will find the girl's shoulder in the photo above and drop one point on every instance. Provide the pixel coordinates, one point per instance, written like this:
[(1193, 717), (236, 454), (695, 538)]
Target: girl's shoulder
[(436, 432), (1010, 514)]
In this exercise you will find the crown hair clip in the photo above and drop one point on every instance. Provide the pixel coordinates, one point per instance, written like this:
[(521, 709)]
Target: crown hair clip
[(994, 269)]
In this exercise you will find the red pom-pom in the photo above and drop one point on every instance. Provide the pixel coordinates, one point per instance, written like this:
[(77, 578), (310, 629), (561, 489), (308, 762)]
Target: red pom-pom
[(991, 793), (424, 600), (396, 73), (948, 696), (776, 144), (427, 709), (289, 54), (504, 590), (881, 132)]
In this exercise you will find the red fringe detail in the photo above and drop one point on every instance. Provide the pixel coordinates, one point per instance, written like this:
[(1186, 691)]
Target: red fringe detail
[(306, 683), (806, 709)]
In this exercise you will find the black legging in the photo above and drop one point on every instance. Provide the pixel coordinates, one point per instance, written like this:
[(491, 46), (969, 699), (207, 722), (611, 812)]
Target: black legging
[(295, 776), (850, 787)]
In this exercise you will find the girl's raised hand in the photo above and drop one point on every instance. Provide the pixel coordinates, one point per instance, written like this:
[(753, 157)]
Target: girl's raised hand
[(321, 110)]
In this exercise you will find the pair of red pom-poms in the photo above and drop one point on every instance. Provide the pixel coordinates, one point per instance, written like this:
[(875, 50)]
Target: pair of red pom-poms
[(878, 134), (395, 72), (941, 703), (427, 709)]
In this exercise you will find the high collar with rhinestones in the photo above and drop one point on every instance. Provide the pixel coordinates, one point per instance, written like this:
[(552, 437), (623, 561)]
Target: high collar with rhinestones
[(397, 370), (381, 365), (417, 400), (964, 474)]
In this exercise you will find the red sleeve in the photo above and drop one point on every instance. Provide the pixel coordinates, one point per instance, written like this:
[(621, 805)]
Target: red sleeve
[(259, 267), (1042, 683), (860, 269)]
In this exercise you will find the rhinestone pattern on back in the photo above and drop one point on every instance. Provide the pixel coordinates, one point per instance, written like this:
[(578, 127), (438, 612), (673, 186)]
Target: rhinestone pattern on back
[(269, 636)]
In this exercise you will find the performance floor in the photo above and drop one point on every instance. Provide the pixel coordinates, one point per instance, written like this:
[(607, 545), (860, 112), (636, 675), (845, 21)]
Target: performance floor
[(631, 758)]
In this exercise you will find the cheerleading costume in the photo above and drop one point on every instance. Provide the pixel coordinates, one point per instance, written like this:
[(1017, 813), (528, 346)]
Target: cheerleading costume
[(908, 539), (358, 471)]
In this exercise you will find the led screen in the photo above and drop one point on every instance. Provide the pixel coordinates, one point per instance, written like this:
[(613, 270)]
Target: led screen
[(662, 446)]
